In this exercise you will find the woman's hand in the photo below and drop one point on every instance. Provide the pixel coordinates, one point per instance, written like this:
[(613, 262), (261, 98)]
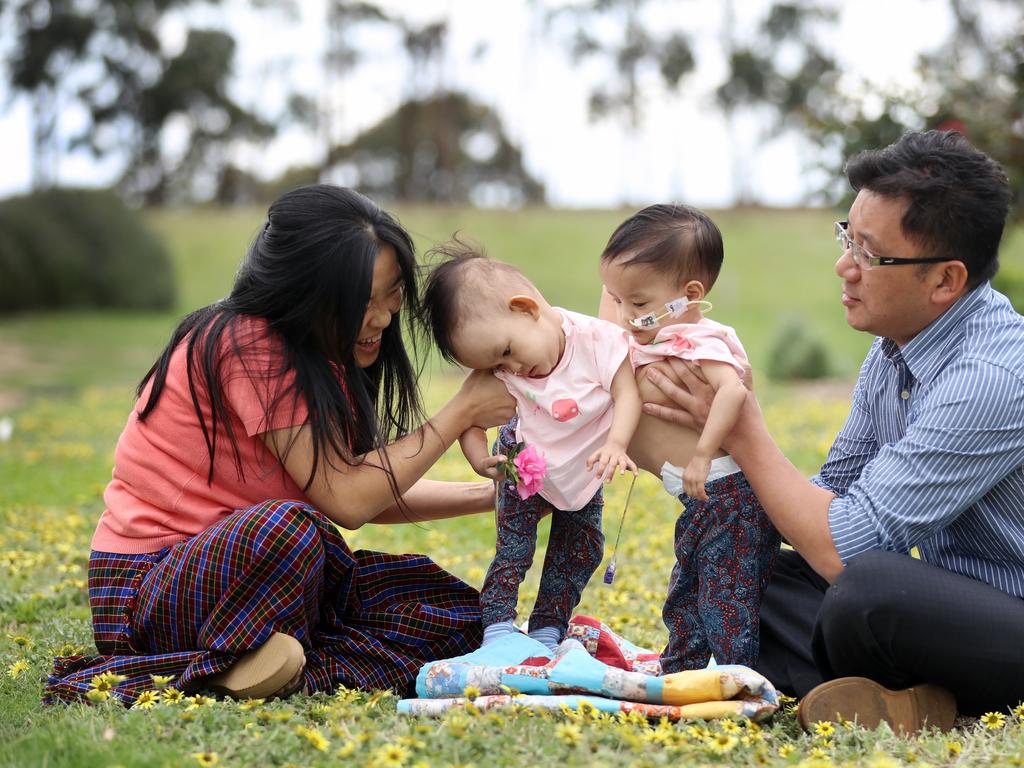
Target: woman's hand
[(486, 401)]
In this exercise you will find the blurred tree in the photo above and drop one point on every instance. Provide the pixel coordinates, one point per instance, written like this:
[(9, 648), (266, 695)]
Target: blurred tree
[(343, 18), (614, 30), (105, 58), (972, 82), (399, 157)]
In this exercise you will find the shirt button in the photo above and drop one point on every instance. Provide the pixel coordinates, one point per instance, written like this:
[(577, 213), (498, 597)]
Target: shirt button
[(905, 394)]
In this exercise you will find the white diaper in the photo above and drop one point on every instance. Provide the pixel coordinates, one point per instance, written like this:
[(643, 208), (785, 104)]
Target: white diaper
[(672, 476)]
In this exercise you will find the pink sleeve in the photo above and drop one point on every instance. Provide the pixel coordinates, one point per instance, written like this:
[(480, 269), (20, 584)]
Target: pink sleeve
[(256, 381), (712, 345), (610, 349)]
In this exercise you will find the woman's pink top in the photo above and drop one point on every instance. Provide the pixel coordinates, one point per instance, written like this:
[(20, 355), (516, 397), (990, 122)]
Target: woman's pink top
[(159, 494)]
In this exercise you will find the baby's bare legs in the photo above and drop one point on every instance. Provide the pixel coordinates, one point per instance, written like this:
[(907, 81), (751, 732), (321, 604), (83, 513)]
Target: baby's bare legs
[(656, 441)]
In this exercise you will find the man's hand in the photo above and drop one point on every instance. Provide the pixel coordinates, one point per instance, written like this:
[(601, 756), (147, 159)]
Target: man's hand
[(606, 458), (694, 397)]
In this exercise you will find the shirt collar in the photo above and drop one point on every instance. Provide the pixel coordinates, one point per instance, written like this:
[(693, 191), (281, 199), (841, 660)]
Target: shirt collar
[(922, 354)]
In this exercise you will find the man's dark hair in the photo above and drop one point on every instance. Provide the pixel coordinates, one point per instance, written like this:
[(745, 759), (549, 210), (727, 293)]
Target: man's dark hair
[(958, 197), (674, 239)]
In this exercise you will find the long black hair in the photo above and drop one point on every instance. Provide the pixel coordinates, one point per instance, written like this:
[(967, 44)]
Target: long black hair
[(308, 274)]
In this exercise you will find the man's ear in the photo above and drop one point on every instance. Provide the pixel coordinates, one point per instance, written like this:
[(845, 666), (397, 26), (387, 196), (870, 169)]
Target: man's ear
[(694, 290), (525, 304), (950, 282)]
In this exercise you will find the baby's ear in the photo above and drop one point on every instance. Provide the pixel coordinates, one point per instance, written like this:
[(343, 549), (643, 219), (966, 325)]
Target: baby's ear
[(694, 290), (525, 304)]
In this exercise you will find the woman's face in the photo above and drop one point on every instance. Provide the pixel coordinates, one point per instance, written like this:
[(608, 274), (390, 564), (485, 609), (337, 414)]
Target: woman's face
[(385, 301)]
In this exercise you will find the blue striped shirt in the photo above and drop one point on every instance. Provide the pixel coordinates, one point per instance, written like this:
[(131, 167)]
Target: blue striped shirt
[(932, 453)]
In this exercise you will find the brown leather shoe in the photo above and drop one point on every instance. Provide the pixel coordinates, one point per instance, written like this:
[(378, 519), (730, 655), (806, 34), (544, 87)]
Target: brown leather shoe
[(272, 670), (860, 700)]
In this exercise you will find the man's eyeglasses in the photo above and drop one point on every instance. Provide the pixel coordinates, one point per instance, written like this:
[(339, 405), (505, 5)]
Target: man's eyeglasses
[(866, 260)]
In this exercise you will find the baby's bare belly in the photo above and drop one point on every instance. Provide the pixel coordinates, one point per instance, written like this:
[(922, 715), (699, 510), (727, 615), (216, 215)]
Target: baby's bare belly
[(656, 441)]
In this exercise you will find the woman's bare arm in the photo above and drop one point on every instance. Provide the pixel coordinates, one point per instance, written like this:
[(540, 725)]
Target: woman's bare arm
[(354, 495), (440, 499)]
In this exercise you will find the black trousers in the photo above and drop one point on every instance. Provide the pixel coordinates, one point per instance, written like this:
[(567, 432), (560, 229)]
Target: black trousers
[(898, 621)]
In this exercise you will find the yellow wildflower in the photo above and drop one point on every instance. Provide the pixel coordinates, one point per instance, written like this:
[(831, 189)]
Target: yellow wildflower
[(824, 728), (786, 750), (314, 737), (21, 640), (96, 696), (206, 758), (818, 754), (197, 701), (882, 760), (390, 756), (728, 725), (377, 697), (722, 742), (1018, 712), (17, 668), (471, 692), (953, 747), (569, 733), (146, 700), (171, 696), (586, 709), (250, 704), (161, 681), (347, 749), (993, 720)]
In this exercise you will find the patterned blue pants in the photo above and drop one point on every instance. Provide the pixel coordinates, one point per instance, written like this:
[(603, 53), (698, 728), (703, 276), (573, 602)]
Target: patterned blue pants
[(575, 550), (725, 553)]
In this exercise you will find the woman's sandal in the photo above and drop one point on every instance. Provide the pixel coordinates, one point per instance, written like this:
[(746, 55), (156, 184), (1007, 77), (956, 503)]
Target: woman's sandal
[(275, 669)]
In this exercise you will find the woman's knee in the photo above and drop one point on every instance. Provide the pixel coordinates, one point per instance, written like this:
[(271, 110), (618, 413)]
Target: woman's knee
[(286, 532)]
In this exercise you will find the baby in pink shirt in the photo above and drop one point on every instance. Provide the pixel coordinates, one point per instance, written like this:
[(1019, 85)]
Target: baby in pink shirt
[(566, 371), (656, 269)]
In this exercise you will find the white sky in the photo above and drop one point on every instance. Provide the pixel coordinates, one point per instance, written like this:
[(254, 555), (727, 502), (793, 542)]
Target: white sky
[(684, 150)]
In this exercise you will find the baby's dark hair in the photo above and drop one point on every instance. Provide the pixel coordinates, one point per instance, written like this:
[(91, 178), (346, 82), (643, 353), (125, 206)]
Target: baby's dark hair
[(675, 240), (466, 284)]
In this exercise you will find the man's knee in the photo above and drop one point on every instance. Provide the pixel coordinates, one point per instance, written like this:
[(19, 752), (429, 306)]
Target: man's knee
[(864, 591)]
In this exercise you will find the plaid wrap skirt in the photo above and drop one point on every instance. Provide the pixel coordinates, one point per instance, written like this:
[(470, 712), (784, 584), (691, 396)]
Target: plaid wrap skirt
[(366, 619)]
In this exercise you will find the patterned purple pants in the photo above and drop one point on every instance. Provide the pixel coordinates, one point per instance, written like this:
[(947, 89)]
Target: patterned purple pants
[(366, 619), (575, 550), (725, 552)]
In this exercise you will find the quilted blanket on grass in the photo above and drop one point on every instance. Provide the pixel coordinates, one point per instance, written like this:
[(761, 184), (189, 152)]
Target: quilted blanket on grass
[(517, 670)]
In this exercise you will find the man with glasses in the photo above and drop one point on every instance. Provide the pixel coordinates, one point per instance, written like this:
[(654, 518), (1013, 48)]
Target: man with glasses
[(931, 459)]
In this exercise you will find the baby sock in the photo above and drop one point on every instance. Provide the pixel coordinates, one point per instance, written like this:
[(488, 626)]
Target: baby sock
[(499, 629), (550, 636)]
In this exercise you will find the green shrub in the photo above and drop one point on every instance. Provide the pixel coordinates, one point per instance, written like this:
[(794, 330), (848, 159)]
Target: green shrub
[(797, 353), (73, 248), (1011, 283)]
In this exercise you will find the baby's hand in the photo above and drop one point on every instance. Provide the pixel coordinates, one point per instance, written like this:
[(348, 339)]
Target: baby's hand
[(695, 476), (488, 467), (606, 458)]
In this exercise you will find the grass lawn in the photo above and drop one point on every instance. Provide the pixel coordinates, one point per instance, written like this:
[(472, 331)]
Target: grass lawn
[(66, 384)]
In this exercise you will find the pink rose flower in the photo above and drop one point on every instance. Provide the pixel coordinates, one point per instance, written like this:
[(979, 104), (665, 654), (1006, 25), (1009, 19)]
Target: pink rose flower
[(531, 468)]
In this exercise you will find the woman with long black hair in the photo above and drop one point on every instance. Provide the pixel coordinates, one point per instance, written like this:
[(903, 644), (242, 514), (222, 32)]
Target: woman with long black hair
[(273, 417)]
